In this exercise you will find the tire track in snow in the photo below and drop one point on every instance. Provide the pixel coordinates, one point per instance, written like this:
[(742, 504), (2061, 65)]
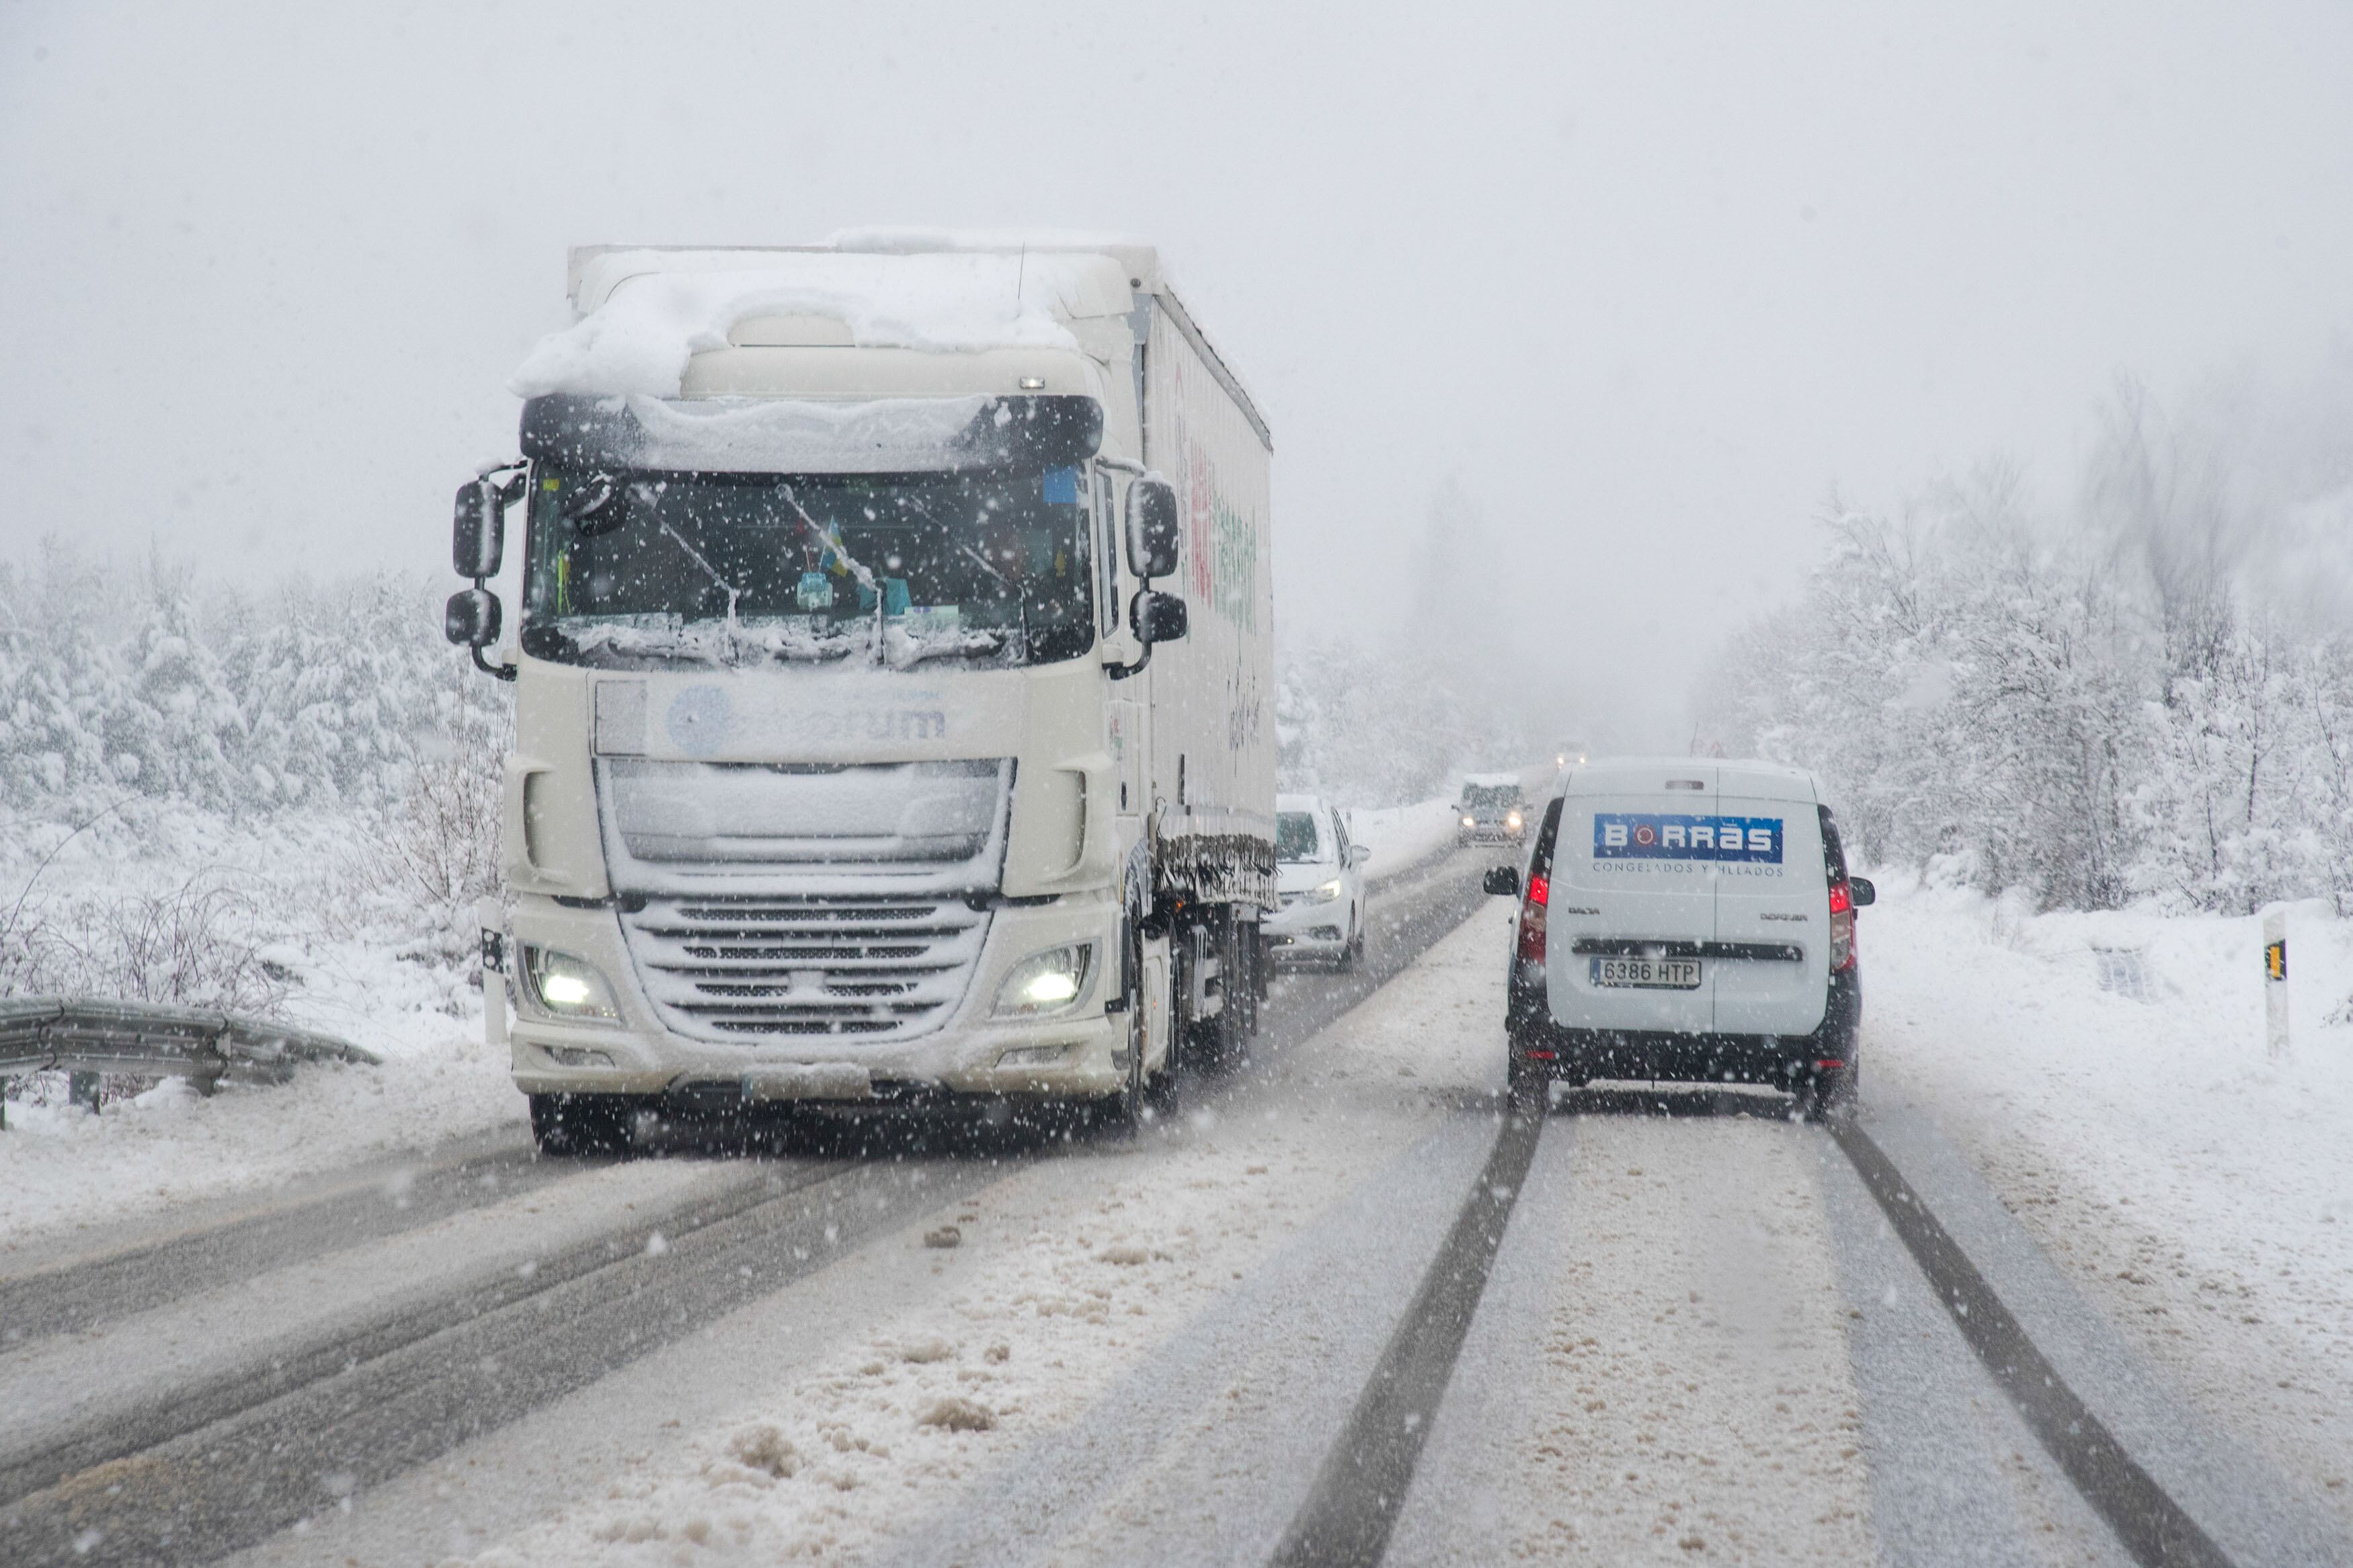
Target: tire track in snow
[(1347, 1517), (89, 1291), (2154, 1528)]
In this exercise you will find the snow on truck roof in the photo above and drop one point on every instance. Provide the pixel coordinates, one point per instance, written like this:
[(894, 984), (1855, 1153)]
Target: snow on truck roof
[(643, 312)]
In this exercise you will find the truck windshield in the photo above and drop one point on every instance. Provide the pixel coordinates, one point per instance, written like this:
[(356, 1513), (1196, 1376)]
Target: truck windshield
[(640, 569)]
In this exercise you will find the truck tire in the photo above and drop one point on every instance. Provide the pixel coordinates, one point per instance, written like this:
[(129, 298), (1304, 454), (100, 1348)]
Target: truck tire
[(1213, 1044), (1161, 1091), (567, 1124), (1123, 1112)]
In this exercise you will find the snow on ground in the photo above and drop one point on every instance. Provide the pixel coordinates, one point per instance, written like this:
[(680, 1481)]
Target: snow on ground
[(1066, 1277), (1664, 1374), (2199, 1191), (342, 967), (1403, 836)]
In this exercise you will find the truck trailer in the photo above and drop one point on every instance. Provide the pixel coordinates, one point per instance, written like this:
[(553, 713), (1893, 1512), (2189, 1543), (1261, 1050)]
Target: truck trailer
[(893, 675)]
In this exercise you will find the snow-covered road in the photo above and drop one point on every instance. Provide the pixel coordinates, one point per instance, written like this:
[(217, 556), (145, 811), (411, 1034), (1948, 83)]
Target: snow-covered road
[(1700, 1341)]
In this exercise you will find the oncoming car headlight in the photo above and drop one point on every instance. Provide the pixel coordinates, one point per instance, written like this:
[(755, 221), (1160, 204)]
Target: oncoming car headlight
[(1512, 822), (562, 986), (1327, 894), (1046, 982), (1470, 822)]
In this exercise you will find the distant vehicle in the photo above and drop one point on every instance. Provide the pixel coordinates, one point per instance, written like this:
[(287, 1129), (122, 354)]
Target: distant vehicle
[(1494, 809), (1685, 920), (1319, 881), (1570, 754)]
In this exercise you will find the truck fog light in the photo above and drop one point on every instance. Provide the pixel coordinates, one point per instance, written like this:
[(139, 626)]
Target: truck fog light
[(577, 1056), (1032, 1056), (566, 987), (1046, 982)]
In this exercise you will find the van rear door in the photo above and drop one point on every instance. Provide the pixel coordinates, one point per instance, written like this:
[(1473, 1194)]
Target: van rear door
[(1626, 882), (1772, 902)]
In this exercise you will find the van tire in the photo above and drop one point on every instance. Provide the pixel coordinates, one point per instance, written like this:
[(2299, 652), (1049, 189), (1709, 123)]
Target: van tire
[(1528, 1087), (568, 1124), (1832, 1095)]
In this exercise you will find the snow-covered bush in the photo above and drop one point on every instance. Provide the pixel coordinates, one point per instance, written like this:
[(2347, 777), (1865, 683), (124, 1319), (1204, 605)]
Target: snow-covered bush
[(198, 944)]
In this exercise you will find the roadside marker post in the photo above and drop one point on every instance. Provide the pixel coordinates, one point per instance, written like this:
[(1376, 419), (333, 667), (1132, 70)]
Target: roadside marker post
[(490, 916), (2275, 981)]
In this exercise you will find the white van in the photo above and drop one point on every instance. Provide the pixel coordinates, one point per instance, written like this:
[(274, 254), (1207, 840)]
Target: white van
[(1688, 919)]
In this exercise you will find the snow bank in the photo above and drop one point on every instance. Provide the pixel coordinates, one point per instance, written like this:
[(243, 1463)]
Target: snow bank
[(1403, 836), (350, 963), (639, 338), (2108, 1073)]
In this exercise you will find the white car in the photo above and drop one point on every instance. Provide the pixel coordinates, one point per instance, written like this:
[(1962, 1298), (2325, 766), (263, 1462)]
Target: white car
[(1320, 879)]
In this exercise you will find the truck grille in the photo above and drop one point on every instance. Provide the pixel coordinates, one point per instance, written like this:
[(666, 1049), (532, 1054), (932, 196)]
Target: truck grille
[(873, 966)]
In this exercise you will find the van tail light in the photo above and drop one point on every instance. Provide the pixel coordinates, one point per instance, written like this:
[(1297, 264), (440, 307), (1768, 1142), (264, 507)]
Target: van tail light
[(1532, 919), (1842, 927)]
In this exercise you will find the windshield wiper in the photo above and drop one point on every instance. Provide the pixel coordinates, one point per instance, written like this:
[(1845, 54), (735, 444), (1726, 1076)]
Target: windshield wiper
[(734, 592)]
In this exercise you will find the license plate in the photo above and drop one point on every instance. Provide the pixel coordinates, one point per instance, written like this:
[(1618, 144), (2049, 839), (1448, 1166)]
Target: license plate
[(1656, 973)]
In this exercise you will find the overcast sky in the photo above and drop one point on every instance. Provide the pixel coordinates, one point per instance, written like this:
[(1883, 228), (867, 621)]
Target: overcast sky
[(1645, 282)]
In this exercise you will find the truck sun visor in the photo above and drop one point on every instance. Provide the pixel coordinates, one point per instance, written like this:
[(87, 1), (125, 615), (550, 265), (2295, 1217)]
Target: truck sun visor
[(739, 435)]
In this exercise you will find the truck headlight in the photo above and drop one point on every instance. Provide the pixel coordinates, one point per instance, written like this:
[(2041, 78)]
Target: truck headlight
[(564, 986), (1046, 982)]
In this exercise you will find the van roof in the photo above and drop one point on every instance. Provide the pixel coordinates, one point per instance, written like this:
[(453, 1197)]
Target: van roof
[(1752, 777)]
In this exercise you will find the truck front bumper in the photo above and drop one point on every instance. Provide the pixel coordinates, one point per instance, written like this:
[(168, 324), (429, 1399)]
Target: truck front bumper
[(1077, 1052)]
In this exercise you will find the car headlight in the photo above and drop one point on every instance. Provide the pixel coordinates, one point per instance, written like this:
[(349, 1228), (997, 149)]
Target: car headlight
[(564, 986), (1046, 982), (1327, 894), (1512, 822), (1470, 822)]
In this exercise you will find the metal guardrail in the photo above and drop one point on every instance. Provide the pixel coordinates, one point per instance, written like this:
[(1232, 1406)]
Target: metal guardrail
[(87, 1037)]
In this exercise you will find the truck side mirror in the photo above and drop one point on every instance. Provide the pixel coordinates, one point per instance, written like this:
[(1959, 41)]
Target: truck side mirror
[(1157, 618), (471, 618), (1862, 890), (1151, 527), (477, 534), (1504, 880)]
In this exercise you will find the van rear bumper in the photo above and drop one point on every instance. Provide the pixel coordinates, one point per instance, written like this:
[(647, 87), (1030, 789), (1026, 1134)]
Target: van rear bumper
[(1580, 1056)]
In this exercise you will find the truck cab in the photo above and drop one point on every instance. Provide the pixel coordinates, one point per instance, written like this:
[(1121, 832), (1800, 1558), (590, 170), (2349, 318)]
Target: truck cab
[(888, 724)]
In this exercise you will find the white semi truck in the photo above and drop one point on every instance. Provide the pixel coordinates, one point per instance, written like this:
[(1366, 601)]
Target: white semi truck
[(893, 683)]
